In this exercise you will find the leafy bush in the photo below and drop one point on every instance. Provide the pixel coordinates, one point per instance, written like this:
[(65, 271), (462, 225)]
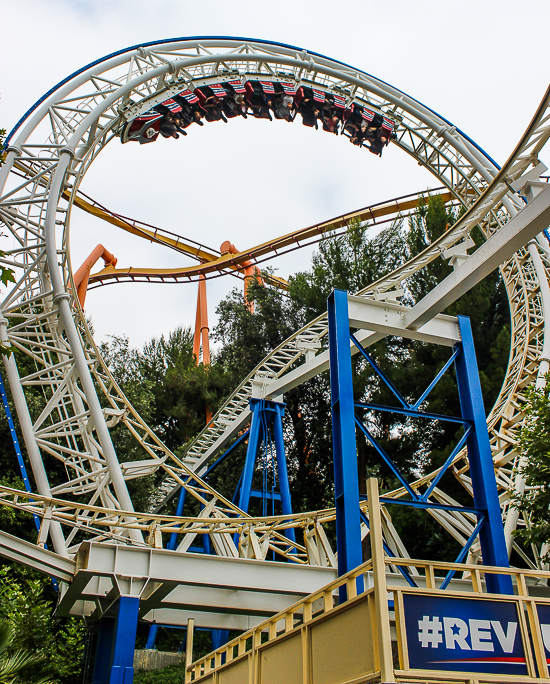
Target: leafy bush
[(24, 606), (175, 674), (16, 663), (534, 447)]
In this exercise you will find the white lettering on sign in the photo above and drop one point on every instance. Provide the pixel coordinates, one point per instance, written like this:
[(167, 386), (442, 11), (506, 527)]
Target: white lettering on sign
[(546, 636), (480, 632), (506, 640), (456, 631), (429, 632), (480, 635)]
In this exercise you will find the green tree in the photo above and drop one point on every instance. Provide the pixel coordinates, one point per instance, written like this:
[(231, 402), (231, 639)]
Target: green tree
[(351, 262), (182, 390), (169, 391), (15, 665), (174, 674), (165, 385), (534, 447), (25, 605)]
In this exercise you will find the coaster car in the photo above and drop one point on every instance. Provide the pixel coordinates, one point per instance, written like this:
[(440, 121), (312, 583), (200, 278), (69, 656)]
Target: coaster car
[(283, 99)]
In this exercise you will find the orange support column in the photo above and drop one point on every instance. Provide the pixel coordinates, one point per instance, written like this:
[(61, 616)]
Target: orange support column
[(250, 271), (82, 276), (201, 325), (201, 332)]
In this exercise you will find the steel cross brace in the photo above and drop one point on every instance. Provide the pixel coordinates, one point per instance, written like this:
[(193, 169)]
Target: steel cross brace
[(267, 420), (344, 419)]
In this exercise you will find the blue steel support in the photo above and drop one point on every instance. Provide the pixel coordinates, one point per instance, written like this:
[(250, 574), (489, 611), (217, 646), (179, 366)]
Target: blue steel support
[(254, 439), (346, 479), (104, 646), (179, 511), (476, 437), (265, 414), (282, 471), (491, 535), (219, 638), (16, 446), (124, 641), (152, 636), (114, 659)]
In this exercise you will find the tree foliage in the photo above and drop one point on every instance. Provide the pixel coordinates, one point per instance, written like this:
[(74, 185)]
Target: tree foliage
[(15, 665), (351, 262), (26, 606), (534, 447), (174, 674)]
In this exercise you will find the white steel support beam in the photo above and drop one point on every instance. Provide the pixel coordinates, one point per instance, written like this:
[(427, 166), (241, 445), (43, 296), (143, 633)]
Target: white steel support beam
[(169, 582), (203, 619), (189, 568), (33, 451), (389, 319), (512, 515), (61, 300), (215, 600), (524, 226), (376, 319), (35, 557)]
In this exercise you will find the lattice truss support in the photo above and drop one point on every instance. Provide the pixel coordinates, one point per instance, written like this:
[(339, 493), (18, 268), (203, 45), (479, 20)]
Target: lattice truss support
[(55, 144)]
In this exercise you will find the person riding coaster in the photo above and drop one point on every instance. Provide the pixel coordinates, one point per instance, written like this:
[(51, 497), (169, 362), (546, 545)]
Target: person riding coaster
[(309, 105), (283, 101), (180, 111), (234, 105), (191, 111), (383, 136), (222, 101), (211, 101), (258, 101)]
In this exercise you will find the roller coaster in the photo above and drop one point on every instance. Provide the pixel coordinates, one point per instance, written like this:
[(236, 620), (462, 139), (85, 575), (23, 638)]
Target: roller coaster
[(89, 517)]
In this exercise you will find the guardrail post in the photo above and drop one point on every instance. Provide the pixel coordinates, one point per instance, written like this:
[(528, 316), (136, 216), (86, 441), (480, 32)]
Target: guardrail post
[(189, 647), (379, 581)]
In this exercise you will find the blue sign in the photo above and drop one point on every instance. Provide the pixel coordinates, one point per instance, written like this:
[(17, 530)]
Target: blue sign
[(543, 610), (463, 634)]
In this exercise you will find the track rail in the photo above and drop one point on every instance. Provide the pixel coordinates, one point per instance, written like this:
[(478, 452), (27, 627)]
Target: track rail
[(57, 142), (375, 215)]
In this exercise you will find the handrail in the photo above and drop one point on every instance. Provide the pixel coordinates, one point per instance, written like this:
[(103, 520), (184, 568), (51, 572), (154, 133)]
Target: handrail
[(303, 611), (304, 607)]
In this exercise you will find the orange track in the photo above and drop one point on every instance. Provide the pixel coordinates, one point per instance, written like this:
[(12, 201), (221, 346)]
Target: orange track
[(214, 263)]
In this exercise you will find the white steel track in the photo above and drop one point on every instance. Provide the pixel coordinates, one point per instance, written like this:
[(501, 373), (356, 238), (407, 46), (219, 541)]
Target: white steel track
[(55, 144)]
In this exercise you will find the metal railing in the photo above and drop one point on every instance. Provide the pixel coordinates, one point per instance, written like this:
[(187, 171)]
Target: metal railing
[(379, 597)]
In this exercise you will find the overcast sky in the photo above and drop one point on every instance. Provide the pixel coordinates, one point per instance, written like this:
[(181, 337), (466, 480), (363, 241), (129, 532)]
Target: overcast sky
[(482, 64)]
